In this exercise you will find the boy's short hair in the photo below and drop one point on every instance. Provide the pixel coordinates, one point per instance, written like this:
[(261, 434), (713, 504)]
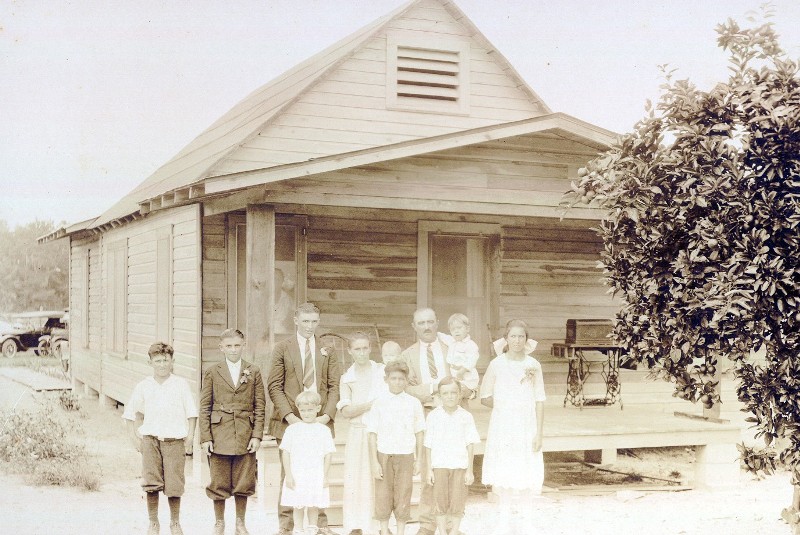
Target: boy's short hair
[(160, 348), (396, 366), (306, 308), (458, 317), (448, 380), (231, 333), (308, 397), (358, 335)]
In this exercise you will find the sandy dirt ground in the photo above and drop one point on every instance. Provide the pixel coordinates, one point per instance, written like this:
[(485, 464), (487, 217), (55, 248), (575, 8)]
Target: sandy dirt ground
[(751, 507)]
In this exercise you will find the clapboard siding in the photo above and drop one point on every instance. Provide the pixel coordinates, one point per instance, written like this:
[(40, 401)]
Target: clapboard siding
[(362, 274), (346, 110), (161, 262), (95, 299), (85, 311), (215, 293), (549, 274), (360, 279), (343, 183), (499, 178)]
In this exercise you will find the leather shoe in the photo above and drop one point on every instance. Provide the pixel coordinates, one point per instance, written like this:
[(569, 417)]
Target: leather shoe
[(325, 530), (154, 528), (240, 528), (175, 528), (219, 527)]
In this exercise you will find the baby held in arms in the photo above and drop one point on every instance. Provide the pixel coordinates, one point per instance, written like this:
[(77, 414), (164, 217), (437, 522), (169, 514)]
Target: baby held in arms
[(462, 353)]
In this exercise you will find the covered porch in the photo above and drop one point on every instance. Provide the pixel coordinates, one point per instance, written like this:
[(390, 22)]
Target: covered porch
[(594, 429)]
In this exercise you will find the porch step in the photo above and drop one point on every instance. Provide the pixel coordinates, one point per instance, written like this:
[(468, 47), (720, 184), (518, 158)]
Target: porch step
[(271, 479)]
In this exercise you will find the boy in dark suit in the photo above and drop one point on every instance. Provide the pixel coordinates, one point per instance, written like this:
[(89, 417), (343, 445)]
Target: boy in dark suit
[(232, 405), (300, 363)]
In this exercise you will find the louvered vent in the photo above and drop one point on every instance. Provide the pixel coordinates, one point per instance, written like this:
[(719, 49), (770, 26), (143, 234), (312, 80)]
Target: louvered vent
[(427, 74)]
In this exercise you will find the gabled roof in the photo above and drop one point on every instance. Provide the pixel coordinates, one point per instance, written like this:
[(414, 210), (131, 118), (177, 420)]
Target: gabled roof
[(245, 120), (595, 138)]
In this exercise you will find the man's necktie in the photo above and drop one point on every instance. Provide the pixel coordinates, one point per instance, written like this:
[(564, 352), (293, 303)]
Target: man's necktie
[(432, 364), (308, 367)]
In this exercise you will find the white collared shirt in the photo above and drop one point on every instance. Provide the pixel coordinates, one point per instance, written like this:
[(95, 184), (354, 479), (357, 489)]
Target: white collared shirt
[(448, 435), (301, 342), (235, 368), (395, 419), (166, 407), (438, 357)]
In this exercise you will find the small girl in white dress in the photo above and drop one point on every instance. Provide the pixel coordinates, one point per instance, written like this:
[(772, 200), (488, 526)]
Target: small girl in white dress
[(306, 448)]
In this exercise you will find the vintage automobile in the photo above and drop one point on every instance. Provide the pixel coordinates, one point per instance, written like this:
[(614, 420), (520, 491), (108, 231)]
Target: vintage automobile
[(56, 344), (29, 328)]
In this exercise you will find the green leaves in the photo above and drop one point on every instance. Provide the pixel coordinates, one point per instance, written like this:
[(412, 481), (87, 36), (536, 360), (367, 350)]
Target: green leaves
[(702, 236)]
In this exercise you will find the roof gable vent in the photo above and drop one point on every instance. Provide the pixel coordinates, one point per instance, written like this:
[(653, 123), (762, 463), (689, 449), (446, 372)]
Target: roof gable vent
[(432, 77)]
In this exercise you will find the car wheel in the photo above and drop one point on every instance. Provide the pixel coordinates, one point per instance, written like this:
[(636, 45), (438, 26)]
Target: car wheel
[(44, 349), (9, 348)]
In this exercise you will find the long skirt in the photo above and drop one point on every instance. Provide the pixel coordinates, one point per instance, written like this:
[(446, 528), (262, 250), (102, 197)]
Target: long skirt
[(359, 494)]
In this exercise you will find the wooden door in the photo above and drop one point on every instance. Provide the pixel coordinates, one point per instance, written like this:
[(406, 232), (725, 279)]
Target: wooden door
[(458, 270)]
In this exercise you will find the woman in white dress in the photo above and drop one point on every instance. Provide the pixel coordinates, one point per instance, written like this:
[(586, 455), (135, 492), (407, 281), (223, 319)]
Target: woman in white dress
[(359, 386), (513, 463)]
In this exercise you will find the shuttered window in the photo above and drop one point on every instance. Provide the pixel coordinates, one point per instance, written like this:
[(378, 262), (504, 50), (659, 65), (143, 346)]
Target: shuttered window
[(428, 76), (117, 296)]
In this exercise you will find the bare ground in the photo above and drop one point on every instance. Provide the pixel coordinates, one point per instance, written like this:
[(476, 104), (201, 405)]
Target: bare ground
[(575, 508)]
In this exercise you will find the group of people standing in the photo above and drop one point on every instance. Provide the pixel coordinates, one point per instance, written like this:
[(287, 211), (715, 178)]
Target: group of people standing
[(407, 415)]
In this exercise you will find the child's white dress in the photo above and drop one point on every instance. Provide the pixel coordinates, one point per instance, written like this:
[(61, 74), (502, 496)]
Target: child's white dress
[(307, 444), (509, 461)]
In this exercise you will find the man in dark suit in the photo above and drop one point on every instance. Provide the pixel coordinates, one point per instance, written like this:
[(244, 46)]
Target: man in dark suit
[(232, 405), (300, 363)]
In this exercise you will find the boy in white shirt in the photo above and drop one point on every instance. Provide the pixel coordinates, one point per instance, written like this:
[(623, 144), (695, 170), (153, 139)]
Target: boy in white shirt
[(449, 440), (395, 426), (161, 417)]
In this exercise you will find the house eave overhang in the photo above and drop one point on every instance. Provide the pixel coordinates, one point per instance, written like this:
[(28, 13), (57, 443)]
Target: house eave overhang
[(76, 230), (566, 126)]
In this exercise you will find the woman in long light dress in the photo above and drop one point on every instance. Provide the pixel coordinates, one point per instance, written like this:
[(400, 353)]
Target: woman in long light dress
[(513, 463), (359, 386)]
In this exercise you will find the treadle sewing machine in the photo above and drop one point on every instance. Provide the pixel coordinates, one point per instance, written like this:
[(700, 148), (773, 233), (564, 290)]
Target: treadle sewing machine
[(585, 336)]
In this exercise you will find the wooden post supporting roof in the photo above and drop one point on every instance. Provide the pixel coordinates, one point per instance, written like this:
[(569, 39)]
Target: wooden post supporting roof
[(260, 282)]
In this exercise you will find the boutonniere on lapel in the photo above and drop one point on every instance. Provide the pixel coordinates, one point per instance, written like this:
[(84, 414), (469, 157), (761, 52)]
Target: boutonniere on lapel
[(326, 351), (245, 376)]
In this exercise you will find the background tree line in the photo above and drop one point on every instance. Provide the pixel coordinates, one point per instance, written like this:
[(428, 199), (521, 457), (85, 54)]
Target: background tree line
[(33, 276)]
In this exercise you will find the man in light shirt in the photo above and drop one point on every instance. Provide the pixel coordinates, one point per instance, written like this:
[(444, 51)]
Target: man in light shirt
[(427, 362), (299, 363), (426, 359)]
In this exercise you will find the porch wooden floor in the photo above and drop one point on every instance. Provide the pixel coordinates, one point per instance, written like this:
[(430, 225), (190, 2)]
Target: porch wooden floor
[(567, 429), (598, 428)]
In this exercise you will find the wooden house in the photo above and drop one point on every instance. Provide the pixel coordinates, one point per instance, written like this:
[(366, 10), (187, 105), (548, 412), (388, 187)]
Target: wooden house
[(407, 165)]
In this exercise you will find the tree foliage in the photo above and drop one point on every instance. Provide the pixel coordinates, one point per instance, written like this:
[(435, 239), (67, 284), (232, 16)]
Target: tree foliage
[(701, 235), (32, 276)]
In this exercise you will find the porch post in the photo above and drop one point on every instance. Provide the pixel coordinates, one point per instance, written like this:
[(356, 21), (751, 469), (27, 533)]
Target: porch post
[(260, 282)]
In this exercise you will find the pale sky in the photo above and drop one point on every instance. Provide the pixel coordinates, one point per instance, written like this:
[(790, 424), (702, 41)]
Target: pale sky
[(96, 95)]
